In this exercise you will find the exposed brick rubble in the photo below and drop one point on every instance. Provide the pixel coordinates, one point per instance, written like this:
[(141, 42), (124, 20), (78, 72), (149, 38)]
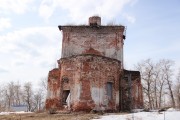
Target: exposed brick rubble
[(90, 75)]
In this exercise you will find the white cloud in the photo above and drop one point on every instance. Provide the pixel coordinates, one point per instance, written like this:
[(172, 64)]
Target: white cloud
[(4, 23), (46, 10), (129, 18), (35, 45), (33, 50), (15, 6), (80, 10), (2, 70)]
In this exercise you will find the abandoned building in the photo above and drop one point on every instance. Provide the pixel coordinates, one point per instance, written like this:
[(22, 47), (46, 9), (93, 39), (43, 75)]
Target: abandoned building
[(90, 73)]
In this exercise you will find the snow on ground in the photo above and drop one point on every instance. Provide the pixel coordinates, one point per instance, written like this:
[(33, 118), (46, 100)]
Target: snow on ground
[(20, 112), (169, 115)]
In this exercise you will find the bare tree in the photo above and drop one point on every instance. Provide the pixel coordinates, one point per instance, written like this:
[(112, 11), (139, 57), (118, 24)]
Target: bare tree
[(177, 90), (38, 100), (17, 94), (27, 95), (156, 79), (9, 94), (2, 99), (44, 83), (146, 68), (161, 83), (12, 94), (168, 72)]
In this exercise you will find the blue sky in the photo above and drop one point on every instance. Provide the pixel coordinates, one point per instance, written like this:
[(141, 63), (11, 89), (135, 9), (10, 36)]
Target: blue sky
[(30, 42)]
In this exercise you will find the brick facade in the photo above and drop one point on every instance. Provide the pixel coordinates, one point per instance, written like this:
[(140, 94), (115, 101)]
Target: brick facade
[(90, 70)]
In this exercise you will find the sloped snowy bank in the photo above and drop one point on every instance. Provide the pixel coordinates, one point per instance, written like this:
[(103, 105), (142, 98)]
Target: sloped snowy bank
[(169, 115), (20, 112)]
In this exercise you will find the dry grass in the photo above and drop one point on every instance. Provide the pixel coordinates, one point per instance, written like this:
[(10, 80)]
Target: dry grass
[(46, 116)]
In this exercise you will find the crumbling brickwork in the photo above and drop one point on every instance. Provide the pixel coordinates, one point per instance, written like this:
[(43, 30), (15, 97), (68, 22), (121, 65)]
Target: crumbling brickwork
[(90, 71), (103, 40), (53, 98), (130, 91)]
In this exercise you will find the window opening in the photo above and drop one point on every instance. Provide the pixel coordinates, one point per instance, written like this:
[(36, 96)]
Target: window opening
[(109, 90)]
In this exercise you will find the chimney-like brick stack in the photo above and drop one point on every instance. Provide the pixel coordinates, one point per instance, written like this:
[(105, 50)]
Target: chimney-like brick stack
[(95, 21)]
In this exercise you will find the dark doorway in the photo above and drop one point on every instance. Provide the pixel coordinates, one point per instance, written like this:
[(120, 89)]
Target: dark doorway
[(64, 97)]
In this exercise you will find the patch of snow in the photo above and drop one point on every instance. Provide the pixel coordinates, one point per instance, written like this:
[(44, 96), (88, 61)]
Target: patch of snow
[(4, 113), (20, 112), (171, 109), (175, 115), (137, 110), (153, 110)]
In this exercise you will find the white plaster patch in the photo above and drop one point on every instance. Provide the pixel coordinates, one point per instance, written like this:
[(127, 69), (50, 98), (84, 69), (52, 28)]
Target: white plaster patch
[(117, 97), (97, 95), (48, 94), (77, 92)]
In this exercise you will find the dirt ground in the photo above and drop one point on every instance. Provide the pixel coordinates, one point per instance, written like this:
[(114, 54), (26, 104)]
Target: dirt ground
[(46, 116)]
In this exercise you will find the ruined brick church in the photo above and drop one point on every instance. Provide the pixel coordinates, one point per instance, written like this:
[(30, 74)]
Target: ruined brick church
[(90, 73)]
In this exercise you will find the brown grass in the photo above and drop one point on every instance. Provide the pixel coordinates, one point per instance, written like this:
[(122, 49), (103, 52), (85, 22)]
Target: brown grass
[(46, 116)]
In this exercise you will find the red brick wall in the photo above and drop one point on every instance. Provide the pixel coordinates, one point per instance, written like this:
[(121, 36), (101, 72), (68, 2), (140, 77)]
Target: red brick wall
[(54, 83), (92, 56), (103, 40), (88, 76)]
